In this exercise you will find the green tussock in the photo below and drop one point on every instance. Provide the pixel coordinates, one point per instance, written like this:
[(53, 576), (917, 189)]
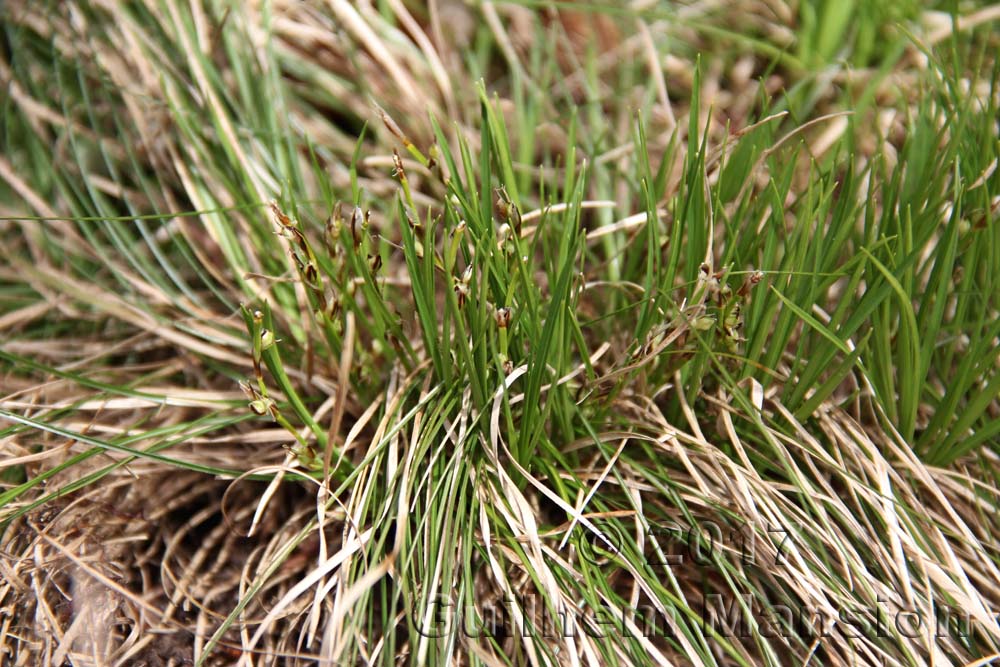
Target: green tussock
[(529, 333)]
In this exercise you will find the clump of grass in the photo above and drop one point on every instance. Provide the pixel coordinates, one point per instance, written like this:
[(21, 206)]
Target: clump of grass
[(564, 368)]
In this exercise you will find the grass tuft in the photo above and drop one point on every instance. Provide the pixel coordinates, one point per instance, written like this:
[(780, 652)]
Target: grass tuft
[(524, 333)]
